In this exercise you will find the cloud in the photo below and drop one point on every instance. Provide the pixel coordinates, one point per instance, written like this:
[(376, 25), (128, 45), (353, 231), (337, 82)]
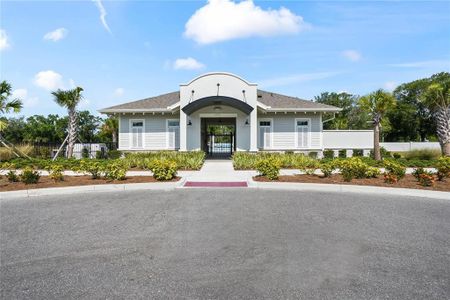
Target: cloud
[(352, 55), (188, 63), (119, 92), (296, 78), (437, 63), (49, 80), (103, 14), (56, 35), (390, 85), (22, 94), (221, 20), (4, 40)]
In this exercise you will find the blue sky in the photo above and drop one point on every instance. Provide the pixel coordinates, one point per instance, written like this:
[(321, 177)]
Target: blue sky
[(120, 51)]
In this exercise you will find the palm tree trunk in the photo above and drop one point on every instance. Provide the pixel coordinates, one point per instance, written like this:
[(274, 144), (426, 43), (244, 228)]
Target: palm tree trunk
[(376, 141), (72, 132), (114, 137), (443, 129)]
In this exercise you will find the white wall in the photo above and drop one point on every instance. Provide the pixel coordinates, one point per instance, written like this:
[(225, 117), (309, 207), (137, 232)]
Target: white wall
[(155, 131), (348, 139), (284, 130), (403, 147)]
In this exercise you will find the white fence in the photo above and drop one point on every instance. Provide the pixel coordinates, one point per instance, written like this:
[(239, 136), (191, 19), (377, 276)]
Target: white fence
[(363, 139), (403, 147)]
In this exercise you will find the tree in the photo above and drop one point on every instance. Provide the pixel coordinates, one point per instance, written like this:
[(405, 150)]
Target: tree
[(377, 104), (88, 126), (437, 98), (70, 99), (7, 105), (342, 100), (111, 127)]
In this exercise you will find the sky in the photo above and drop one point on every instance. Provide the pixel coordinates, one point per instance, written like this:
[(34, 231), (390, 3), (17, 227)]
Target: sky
[(120, 51)]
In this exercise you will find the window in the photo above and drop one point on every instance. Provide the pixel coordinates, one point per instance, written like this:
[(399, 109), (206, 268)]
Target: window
[(302, 133), (137, 136), (265, 134), (173, 134)]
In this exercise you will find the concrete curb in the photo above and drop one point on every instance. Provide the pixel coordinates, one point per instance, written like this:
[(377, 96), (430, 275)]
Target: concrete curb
[(344, 188), (91, 188)]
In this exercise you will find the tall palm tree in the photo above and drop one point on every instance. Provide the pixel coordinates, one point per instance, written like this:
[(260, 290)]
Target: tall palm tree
[(377, 104), (7, 105), (70, 99), (437, 99), (111, 126)]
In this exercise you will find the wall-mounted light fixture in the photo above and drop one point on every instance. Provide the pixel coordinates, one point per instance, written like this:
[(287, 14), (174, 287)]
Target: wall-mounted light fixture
[(189, 122), (246, 122)]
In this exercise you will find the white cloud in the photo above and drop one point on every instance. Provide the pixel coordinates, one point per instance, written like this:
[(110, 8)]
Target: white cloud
[(119, 92), (352, 55), (188, 63), (296, 78), (22, 94), (103, 14), (221, 20), (390, 85), (49, 80), (56, 35), (4, 40)]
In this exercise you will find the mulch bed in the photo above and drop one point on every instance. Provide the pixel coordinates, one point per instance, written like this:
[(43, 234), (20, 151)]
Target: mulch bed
[(407, 182), (46, 182)]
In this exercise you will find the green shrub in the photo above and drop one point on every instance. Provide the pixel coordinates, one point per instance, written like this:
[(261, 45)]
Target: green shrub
[(100, 154), (94, 168), (357, 152), (342, 153), (313, 154), (422, 154), (327, 168), (163, 169), (443, 168), (393, 170), (328, 154), (269, 167), (397, 155), (114, 154), (372, 172), (355, 167), (12, 176), (192, 160), (29, 176), (384, 153), (115, 170), (56, 172), (417, 172)]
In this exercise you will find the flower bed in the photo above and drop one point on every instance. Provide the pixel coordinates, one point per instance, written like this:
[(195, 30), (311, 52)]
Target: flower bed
[(409, 181), (48, 182)]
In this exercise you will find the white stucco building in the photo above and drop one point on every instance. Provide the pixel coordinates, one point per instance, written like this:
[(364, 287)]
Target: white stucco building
[(255, 120)]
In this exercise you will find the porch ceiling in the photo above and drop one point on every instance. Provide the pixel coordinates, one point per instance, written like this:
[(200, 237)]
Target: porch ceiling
[(217, 100)]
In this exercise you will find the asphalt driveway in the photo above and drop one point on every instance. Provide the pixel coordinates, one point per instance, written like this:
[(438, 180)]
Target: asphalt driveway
[(224, 243)]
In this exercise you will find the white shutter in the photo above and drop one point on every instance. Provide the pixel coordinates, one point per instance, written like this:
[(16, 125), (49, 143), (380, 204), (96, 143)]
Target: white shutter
[(265, 131), (137, 137), (302, 134)]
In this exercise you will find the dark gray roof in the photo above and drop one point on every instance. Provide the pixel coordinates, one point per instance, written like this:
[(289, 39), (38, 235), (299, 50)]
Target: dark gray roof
[(278, 101), (273, 100)]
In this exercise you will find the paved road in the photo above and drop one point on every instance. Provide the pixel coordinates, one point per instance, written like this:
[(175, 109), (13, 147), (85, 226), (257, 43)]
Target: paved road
[(205, 244)]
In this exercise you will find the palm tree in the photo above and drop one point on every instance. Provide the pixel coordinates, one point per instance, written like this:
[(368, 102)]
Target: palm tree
[(6, 105), (377, 104), (437, 99), (111, 126), (70, 99)]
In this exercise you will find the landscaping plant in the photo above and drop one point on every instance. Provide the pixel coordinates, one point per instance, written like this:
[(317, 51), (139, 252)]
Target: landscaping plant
[(29, 176), (393, 171), (269, 167), (426, 178), (12, 176), (56, 172), (443, 168), (116, 170), (163, 169), (327, 168), (94, 168), (354, 167)]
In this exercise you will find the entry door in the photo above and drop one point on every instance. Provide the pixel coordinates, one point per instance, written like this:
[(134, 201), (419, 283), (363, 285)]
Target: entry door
[(173, 131), (265, 130), (137, 128)]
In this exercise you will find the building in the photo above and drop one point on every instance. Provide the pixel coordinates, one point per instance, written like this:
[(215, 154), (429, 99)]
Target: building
[(220, 113)]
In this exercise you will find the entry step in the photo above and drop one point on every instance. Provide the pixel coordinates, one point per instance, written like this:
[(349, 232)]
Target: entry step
[(216, 184)]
